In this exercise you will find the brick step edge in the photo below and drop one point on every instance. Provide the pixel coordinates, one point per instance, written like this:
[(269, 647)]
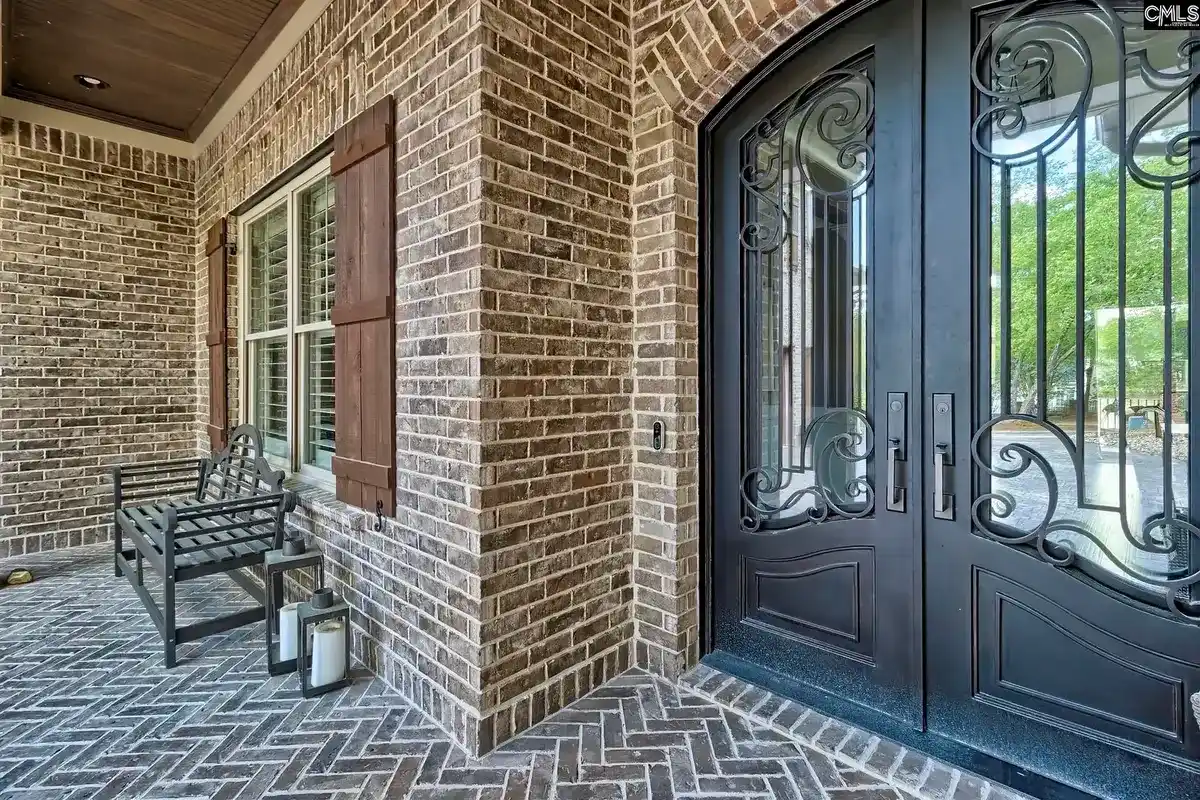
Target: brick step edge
[(910, 770)]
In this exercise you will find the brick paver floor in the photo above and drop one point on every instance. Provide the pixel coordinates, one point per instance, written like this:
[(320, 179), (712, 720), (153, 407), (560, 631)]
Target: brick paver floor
[(88, 711)]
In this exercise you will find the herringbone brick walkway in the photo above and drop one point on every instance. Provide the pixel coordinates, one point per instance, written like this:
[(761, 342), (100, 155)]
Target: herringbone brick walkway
[(87, 711)]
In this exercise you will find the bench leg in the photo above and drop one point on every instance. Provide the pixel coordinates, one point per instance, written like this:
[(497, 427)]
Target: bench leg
[(141, 578), (116, 548), (169, 620)]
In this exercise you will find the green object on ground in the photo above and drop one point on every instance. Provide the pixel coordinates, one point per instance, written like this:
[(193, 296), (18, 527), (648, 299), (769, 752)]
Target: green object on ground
[(18, 577)]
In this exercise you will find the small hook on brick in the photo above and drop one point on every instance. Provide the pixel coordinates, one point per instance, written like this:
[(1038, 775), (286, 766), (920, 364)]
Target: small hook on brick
[(378, 526)]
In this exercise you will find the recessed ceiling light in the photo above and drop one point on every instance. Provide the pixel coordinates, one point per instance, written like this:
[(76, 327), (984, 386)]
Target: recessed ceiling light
[(88, 82)]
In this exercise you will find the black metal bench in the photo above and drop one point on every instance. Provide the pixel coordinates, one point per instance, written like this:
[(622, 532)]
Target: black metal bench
[(231, 513)]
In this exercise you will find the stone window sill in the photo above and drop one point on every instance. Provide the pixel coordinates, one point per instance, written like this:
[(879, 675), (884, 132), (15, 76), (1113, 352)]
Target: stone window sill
[(317, 499)]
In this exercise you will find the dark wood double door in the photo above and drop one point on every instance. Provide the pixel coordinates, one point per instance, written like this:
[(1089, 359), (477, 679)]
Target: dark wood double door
[(947, 273)]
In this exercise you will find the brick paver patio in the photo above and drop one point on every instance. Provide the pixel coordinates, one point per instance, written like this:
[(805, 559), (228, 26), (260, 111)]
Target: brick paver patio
[(88, 711)]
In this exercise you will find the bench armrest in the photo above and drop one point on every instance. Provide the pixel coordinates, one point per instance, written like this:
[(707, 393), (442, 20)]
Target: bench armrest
[(280, 503), (150, 479)]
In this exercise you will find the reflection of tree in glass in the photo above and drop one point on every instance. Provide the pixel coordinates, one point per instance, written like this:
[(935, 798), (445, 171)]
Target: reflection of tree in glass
[(1145, 340), (1144, 349)]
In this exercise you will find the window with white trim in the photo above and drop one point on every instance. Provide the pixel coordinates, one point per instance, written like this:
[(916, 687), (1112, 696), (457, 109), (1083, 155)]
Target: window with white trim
[(287, 288)]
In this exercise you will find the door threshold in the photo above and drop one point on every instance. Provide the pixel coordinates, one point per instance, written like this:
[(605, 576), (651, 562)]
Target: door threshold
[(929, 766)]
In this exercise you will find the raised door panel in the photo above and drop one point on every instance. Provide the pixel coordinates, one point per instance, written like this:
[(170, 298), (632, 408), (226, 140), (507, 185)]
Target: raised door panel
[(1051, 663), (825, 599)]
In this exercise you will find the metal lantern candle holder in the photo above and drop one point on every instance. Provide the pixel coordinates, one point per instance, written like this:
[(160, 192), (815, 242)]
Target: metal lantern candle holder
[(283, 635), (324, 663)]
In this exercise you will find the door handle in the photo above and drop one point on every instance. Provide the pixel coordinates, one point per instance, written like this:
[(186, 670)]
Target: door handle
[(943, 504), (897, 434), (943, 454), (896, 492)]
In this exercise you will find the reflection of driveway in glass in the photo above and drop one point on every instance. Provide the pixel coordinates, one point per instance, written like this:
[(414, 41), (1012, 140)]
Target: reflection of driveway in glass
[(1143, 491)]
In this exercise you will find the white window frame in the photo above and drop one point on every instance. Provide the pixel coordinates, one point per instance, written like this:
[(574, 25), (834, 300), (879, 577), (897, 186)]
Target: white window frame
[(297, 407)]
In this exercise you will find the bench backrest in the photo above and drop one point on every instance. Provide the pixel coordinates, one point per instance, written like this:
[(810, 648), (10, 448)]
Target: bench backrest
[(240, 469)]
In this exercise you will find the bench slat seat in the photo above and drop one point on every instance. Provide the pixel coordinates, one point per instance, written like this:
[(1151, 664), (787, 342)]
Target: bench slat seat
[(194, 543), (234, 515)]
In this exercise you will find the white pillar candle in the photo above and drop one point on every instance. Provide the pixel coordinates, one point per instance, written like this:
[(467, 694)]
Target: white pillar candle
[(289, 633), (329, 652)]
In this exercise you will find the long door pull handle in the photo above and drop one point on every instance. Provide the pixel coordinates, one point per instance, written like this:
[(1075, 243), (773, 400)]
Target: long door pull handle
[(943, 503), (943, 455), (896, 492)]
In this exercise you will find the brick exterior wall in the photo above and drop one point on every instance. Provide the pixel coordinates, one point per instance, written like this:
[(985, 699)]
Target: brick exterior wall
[(415, 586), (97, 357), (557, 308), (547, 291), (502, 589)]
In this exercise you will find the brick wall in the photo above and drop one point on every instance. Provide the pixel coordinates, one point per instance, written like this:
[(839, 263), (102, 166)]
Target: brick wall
[(502, 589), (557, 311), (97, 357), (414, 585)]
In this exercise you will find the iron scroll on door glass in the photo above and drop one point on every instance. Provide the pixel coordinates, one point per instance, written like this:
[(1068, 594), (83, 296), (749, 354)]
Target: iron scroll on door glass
[(805, 251), (1086, 141)]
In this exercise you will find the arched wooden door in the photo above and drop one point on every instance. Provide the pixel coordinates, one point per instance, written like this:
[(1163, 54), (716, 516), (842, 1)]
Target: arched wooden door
[(1061, 209), (948, 272), (813, 255)]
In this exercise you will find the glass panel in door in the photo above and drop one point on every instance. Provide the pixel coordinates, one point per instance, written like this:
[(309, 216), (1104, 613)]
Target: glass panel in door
[(806, 249), (1083, 132)]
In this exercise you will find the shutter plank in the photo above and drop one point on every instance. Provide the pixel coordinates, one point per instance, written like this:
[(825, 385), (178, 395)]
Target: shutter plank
[(353, 362), (350, 366), (375, 475), (345, 336), (377, 308), (374, 139), (376, 335), (218, 376), (364, 311), (374, 404), (384, 251)]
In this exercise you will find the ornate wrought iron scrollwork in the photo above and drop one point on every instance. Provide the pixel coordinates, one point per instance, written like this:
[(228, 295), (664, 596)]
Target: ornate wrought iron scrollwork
[(816, 145), (842, 435), (1014, 65), (1009, 68), (1007, 71), (1162, 535), (838, 108), (1176, 150)]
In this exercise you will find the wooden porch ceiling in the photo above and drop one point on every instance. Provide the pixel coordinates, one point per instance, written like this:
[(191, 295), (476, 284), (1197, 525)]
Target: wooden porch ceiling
[(169, 64)]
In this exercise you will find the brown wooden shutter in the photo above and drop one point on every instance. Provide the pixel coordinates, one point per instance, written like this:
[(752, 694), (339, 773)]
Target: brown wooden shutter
[(218, 382), (364, 337)]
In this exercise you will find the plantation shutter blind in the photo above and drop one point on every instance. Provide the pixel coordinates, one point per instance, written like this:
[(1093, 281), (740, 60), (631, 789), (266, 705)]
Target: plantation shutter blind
[(218, 388), (318, 277), (363, 169)]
